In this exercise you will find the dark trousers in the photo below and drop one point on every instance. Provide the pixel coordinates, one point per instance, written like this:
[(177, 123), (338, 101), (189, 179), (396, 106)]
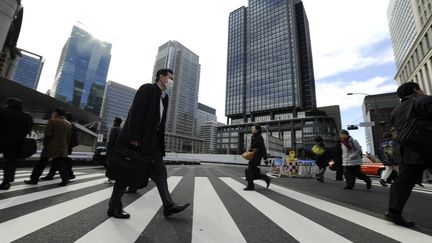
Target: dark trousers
[(60, 163), (339, 172), (353, 172), (401, 189), (158, 175), (54, 169), (254, 173), (11, 150)]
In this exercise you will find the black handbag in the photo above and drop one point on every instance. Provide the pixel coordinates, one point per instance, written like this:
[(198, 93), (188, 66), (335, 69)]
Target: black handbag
[(416, 133), (28, 148), (128, 167)]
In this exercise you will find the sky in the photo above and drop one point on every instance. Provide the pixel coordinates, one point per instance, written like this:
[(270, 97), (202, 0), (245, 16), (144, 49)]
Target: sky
[(351, 45)]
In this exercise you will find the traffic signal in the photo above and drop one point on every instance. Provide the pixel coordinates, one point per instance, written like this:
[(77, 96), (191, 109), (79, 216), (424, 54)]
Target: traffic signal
[(352, 127)]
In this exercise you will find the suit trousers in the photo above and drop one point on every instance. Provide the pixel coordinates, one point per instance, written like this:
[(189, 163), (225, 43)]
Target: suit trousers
[(158, 175), (59, 163), (253, 173), (401, 189), (54, 169), (353, 172)]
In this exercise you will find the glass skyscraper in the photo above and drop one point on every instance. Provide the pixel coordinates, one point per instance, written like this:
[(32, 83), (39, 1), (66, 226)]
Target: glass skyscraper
[(117, 101), (82, 71), (28, 69), (269, 68), (183, 99)]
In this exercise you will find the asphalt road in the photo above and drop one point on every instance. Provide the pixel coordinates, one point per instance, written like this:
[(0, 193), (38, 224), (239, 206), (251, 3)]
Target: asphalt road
[(296, 209)]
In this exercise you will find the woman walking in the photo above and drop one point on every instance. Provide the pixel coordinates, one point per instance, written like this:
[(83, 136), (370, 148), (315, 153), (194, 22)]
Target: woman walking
[(351, 160), (253, 172)]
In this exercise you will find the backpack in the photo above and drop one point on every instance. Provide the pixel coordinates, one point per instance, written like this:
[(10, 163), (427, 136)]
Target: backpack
[(388, 151), (318, 150)]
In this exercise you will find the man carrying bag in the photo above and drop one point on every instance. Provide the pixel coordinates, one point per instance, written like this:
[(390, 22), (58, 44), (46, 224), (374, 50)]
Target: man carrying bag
[(141, 146)]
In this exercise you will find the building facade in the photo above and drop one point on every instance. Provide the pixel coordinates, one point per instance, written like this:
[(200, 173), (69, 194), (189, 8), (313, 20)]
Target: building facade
[(417, 65), (269, 68), (377, 109), (270, 78), (116, 103), (204, 115), (403, 28), (82, 71), (28, 69), (183, 98)]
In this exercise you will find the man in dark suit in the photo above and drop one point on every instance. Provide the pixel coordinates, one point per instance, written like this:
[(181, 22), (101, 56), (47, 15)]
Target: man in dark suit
[(412, 160), (14, 126), (144, 131)]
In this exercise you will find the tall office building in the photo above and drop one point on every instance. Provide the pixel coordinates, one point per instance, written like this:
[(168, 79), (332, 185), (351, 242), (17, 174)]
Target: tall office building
[(28, 69), (377, 108), (82, 71), (269, 69), (403, 29), (417, 64), (204, 114), (116, 103), (270, 78), (183, 98)]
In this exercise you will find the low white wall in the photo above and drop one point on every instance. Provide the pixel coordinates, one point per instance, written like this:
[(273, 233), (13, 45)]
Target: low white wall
[(215, 158)]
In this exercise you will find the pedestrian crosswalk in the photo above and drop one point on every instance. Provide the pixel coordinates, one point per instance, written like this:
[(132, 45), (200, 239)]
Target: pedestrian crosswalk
[(221, 211)]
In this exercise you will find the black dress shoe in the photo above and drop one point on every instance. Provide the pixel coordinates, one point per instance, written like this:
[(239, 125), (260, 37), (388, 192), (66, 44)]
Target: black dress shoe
[(63, 183), (31, 182), (420, 184), (347, 188), (248, 189), (119, 214), (399, 220), (131, 190), (173, 209), (47, 178), (268, 180), (4, 186)]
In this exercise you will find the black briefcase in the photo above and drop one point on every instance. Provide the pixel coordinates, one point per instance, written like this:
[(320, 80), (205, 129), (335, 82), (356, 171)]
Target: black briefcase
[(28, 148), (128, 167)]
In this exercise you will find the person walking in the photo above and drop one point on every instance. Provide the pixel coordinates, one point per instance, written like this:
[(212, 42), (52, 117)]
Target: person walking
[(351, 160), (55, 146), (321, 157), (14, 126), (73, 143), (387, 156), (112, 139), (414, 159), (253, 172), (144, 131)]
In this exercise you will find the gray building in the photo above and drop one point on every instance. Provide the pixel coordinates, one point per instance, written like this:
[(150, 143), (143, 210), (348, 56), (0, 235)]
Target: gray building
[(183, 98), (377, 109), (28, 69), (402, 26), (208, 134), (333, 111), (205, 114), (82, 71), (270, 78), (116, 103)]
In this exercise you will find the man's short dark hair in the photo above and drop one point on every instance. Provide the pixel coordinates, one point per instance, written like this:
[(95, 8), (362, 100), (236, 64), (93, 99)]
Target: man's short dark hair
[(163, 72), (14, 103), (60, 111), (407, 89), (345, 132), (69, 116), (117, 121), (318, 139)]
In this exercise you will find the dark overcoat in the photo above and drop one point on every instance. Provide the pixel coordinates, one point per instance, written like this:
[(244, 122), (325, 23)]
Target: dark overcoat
[(257, 144), (423, 109), (14, 126), (142, 122)]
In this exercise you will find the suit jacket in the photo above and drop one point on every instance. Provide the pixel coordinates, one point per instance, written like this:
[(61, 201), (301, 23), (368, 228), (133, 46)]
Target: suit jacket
[(142, 122), (56, 138), (422, 108)]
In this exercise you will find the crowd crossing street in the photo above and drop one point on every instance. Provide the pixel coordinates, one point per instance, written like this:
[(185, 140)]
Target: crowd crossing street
[(290, 210)]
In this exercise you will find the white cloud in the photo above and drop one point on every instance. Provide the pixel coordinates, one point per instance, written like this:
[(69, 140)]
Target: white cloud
[(335, 92)]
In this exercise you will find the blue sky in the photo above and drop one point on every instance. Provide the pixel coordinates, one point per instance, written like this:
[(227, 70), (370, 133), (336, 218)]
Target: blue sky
[(350, 43)]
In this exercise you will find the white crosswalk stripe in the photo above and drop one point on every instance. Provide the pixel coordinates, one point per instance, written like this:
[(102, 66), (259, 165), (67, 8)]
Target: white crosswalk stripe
[(212, 218)]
